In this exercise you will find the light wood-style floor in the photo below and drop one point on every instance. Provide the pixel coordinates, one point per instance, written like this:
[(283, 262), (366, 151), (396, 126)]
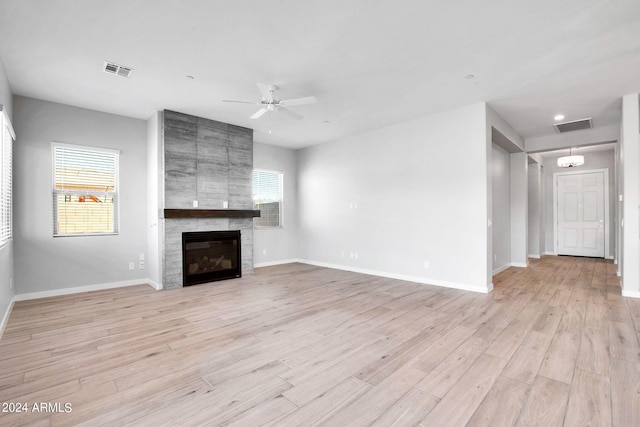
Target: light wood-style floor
[(554, 344)]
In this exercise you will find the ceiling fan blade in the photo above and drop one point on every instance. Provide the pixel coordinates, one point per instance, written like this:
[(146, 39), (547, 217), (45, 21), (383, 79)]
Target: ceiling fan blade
[(241, 102), (259, 113), (266, 91), (299, 101), (290, 113)]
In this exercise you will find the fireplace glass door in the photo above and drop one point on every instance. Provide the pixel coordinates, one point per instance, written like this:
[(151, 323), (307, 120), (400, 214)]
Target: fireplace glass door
[(208, 256)]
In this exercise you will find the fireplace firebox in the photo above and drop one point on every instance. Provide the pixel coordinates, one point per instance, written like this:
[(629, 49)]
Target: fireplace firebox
[(208, 256)]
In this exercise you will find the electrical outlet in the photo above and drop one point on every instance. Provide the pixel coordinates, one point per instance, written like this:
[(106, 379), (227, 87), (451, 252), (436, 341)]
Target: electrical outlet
[(351, 255), (495, 257), (141, 256), (132, 266), (141, 264), (195, 203), (264, 252), (355, 255)]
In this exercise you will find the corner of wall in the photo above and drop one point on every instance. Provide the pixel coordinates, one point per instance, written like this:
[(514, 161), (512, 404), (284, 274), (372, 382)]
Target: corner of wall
[(630, 140), (501, 125), (7, 291), (153, 197), (5, 317)]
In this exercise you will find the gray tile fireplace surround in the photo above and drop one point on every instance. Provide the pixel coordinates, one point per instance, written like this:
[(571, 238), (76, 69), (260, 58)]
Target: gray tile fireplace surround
[(211, 162)]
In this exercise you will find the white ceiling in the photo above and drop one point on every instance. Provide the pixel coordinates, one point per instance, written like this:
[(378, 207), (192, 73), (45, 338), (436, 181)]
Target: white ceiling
[(369, 63)]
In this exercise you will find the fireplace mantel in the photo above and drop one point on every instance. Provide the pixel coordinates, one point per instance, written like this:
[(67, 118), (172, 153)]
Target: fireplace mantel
[(211, 213)]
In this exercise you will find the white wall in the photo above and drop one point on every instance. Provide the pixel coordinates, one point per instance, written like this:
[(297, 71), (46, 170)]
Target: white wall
[(153, 199), (620, 204), (535, 208), (494, 120), (630, 141), (597, 135), (399, 196), (43, 263), (519, 208), (595, 160), (501, 208), (515, 182), (278, 245), (6, 252)]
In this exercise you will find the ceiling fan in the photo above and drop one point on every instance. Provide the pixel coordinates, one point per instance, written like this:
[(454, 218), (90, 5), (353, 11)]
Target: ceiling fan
[(269, 103)]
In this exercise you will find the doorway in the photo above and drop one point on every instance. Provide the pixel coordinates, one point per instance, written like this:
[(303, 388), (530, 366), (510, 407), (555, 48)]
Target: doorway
[(581, 211)]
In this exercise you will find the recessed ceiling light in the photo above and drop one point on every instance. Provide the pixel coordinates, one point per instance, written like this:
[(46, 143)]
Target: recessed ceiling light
[(469, 76), (269, 131), (558, 117)]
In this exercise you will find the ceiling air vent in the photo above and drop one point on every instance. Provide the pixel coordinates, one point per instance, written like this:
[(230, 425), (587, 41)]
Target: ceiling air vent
[(574, 125), (118, 70)]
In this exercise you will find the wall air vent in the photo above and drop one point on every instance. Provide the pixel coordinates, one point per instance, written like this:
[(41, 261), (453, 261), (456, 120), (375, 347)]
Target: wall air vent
[(118, 70), (574, 125)]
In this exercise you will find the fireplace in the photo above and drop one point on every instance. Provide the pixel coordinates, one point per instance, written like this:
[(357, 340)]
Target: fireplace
[(208, 256)]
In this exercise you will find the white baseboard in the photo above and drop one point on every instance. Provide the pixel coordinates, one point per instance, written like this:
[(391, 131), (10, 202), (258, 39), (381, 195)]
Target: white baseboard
[(630, 294), (414, 279), (155, 285), (608, 257), (80, 289), (615, 261), (536, 256), (551, 253), (272, 263), (500, 269), (5, 318), (506, 266)]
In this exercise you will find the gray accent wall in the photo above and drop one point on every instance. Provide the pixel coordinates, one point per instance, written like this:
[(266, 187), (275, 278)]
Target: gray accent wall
[(6, 252), (209, 162), (276, 245), (45, 263)]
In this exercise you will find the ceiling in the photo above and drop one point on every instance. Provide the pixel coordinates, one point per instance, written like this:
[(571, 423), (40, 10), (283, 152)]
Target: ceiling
[(369, 63)]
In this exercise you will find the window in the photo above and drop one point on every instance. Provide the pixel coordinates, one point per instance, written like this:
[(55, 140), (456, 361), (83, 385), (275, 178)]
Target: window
[(267, 197), (6, 197), (85, 190)]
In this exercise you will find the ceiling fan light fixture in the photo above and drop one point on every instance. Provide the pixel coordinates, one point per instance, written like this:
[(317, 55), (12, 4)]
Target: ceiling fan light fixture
[(269, 103)]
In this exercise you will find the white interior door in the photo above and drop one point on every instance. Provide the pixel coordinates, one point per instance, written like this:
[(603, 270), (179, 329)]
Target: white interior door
[(581, 214)]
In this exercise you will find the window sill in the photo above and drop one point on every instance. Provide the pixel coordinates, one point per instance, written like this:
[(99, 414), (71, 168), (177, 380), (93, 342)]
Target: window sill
[(85, 235)]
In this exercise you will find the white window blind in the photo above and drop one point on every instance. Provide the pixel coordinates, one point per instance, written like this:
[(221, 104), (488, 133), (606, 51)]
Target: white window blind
[(6, 177), (267, 197), (85, 190)]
